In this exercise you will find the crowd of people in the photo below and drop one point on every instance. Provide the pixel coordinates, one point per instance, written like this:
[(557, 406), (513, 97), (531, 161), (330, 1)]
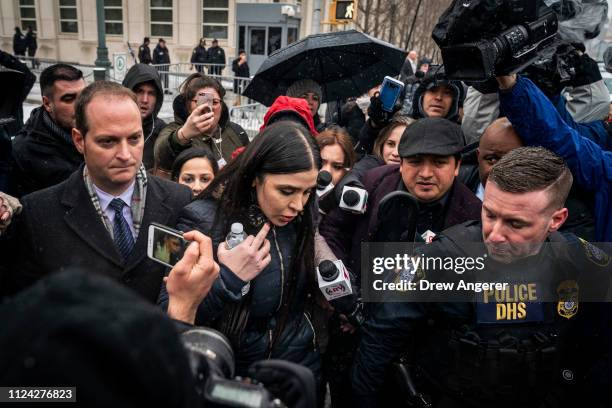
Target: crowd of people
[(510, 169)]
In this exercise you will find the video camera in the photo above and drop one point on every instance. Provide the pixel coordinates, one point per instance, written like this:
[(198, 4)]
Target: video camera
[(272, 383), (480, 39), (555, 68)]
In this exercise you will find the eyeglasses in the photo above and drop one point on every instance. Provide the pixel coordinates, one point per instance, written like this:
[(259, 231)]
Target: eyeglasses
[(215, 101)]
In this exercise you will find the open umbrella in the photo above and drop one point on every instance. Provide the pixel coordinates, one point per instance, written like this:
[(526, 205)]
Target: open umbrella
[(344, 63)]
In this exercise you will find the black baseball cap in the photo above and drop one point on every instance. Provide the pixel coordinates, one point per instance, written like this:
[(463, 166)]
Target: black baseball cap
[(431, 136)]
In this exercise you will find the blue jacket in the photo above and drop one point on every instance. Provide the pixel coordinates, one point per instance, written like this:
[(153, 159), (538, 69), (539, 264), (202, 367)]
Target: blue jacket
[(297, 342), (596, 131), (538, 123)]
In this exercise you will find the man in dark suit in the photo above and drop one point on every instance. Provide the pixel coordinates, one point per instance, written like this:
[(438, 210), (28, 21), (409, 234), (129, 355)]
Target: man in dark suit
[(98, 218), (409, 68)]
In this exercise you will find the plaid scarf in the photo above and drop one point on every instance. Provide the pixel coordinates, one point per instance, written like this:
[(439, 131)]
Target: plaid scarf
[(54, 129), (138, 200)]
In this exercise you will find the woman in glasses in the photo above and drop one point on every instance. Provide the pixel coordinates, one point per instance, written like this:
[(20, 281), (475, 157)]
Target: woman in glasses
[(201, 118)]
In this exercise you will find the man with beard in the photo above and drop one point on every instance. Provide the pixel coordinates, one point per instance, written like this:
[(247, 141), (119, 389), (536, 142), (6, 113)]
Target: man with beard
[(43, 151)]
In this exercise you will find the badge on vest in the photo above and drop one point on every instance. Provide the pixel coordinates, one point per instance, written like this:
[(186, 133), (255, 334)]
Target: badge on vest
[(568, 299)]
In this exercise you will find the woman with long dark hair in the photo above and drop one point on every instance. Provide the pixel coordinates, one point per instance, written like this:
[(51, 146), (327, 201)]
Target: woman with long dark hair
[(261, 298)]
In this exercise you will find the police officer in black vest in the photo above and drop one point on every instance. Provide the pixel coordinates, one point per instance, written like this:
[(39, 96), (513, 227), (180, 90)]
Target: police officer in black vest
[(542, 338)]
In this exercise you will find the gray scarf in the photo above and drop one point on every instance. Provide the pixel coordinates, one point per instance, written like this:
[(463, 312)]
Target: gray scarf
[(54, 129)]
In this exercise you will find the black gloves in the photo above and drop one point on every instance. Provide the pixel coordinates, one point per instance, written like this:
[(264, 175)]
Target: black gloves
[(380, 117)]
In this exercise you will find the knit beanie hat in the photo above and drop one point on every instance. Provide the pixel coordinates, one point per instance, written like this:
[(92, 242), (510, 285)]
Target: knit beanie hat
[(300, 87)]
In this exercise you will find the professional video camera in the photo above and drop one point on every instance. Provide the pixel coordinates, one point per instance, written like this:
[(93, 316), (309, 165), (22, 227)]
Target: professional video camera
[(481, 39), (272, 383), (555, 68)]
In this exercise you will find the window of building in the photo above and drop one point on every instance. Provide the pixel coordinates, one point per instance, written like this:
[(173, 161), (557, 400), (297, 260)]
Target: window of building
[(113, 17), (161, 18), (292, 34), (274, 39), (215, 15), (68, 16), (27, 12)]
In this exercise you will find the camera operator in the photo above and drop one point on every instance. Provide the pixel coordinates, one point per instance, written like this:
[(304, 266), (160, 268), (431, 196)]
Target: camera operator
[(537, 122), (585, 108)]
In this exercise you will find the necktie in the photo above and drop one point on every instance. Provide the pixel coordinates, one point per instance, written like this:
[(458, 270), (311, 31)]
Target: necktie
[(121, 230)]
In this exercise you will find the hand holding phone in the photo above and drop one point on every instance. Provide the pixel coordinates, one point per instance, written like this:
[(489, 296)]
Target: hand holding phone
[(165, 245), (390, 93), (205, 99), (191, 278)]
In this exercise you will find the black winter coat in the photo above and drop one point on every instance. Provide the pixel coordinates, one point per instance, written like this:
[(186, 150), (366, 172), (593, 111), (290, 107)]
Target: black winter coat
[(216, 55), (59, 229), (344, 232), (144, 54), (199, 55), (161, 55), (297, 343), (41, 158)]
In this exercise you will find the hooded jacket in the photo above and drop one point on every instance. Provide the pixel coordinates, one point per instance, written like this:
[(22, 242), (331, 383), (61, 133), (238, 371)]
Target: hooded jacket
[(151, 125), (296, 106), (436, 77), (167, 147)]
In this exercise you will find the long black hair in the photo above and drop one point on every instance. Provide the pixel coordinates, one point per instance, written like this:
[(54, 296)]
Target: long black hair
[(282, 148)]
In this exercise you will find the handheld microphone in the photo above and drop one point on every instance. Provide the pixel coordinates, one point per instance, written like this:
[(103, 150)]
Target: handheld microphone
[(325, 188)]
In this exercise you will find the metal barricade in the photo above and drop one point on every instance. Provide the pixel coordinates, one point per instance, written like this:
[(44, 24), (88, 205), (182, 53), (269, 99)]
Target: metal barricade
[(249, 116)]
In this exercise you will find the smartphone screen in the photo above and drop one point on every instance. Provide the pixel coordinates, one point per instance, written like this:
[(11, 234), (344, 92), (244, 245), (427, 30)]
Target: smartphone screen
[(390, 91), (165, 245), (204, 99)]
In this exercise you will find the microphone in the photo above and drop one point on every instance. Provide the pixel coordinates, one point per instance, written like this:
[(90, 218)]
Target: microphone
[(325, 188), (335, 283), (334, 280)]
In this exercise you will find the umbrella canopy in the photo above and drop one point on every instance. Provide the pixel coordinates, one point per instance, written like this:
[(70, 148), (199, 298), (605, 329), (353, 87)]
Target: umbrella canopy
[(344, 63)]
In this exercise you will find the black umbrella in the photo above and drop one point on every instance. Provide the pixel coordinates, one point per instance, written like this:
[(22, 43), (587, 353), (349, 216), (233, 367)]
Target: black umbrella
[(344, 63)]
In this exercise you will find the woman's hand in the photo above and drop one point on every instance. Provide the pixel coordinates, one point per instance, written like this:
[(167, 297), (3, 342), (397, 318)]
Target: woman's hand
[(200, 121), (191, 278), (249, 258)]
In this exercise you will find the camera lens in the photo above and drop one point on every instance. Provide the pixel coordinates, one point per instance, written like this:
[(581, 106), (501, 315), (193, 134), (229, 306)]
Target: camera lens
[(214, 347)]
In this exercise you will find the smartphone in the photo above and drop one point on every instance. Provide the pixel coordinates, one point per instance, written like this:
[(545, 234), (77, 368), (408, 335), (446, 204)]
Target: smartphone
[(205, 99), (165, 245), (390, 92)]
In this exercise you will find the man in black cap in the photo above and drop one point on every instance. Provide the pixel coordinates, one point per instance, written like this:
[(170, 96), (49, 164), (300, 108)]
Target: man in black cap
[(430, 157), (429, 151)]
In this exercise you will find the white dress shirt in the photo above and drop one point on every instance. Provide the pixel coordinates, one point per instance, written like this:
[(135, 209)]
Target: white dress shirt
[(480, 191)]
